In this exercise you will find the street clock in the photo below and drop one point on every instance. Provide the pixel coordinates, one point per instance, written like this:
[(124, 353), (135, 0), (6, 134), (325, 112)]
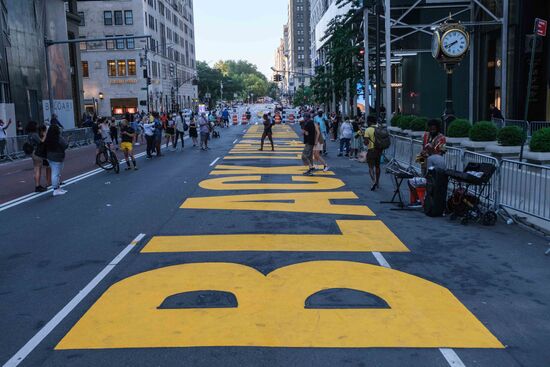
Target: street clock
[(450, 43)]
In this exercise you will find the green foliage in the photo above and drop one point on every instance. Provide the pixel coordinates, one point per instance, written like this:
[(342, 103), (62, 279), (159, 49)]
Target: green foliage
[(511, 136), (321, 85), (395, 120), (483, 131), (238, 77), (419, 124), (303, 96), (540, 141), (405, 122), (459, 128)]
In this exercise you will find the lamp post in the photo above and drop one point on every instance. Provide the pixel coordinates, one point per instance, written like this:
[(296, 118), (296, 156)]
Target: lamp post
[(101, 96)]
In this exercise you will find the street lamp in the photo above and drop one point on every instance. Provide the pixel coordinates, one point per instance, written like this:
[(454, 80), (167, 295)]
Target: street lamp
[(101, 96)]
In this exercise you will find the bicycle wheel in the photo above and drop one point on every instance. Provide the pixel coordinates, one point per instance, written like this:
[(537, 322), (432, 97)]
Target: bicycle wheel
[(114, 163), (103, 160)]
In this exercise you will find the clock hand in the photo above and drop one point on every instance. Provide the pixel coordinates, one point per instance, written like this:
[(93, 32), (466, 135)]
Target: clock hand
[(451, 44)]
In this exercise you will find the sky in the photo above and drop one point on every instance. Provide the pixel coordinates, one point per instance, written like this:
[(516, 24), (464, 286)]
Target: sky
[(240, 30)]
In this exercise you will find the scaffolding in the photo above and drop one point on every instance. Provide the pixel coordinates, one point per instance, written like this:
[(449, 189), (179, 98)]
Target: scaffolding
[(399, 25)]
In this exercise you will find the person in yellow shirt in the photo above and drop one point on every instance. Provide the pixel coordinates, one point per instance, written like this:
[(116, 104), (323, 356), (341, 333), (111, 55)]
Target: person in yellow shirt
[(373, 155)]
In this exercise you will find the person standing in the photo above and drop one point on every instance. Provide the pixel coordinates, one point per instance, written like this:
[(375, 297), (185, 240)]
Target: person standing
[(180, 131), (193, 133), (55, 121), (38, 156), (3, 137), (495, 113), (169, 126), (320, 120), (374, 155), (318, 148), (204, 126), (357, 139), (346, 133), (149, 132), (128, 136), (56, 146), (158, 133), (268, 133), (113, 131), (309, 132)]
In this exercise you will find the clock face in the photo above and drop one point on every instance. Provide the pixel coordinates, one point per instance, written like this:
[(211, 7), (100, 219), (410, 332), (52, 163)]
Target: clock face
[(435, 44), (454, 43)]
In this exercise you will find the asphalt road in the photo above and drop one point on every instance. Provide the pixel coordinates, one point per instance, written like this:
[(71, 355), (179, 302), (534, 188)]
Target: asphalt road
[(472, 295)]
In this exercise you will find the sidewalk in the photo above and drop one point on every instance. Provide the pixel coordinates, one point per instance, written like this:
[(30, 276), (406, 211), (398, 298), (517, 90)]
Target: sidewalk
[(17, 177)]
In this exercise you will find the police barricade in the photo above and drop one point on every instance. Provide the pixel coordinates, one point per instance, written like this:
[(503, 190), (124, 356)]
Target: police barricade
[(401, 150), (525, 188), (14, 147), (535, 126), (494, 185)]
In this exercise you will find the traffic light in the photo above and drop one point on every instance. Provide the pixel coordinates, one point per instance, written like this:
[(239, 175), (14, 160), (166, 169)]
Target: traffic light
[(362, 52), (148, 81), (277, 78)]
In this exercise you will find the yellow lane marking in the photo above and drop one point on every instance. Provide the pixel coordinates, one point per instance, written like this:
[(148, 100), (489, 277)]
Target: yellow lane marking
[(258, 157), (357, 236), (265, 151), (251, 170), (271, 311), (314, 202), (232, 183)]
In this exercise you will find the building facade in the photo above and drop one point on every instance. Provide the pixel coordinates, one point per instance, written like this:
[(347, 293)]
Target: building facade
[(299, 44), (130, 75)]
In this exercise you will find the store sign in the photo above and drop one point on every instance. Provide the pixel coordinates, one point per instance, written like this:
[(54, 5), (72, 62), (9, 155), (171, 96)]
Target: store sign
[(541, 26), (123, 81)]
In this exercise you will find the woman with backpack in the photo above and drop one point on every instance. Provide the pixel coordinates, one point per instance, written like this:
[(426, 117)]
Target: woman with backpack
[(55, 153), (38, 155)]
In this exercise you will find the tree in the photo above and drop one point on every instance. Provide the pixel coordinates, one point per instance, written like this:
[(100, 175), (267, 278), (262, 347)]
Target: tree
[(303, 96)]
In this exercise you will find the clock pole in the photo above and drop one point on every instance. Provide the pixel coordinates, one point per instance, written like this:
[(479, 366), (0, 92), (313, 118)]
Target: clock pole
[(449, 113)]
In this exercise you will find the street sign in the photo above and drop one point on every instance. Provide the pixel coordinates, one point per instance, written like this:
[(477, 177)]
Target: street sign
[(541, 26)]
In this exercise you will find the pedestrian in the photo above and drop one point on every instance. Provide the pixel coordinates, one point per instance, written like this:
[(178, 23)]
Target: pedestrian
[(180, 131), (113, 132), (494, 112), (320, 120), (318, 148), (55, 153), (105, 130), (309, 132), (204, 126), (55, 121), (357, 139), (374, 154), (38, 156), (128, 136), (96, 130), (158, 133), (346, 133), (149, 132), (193, 131), (169, 126), (3, 138), (268, 133)]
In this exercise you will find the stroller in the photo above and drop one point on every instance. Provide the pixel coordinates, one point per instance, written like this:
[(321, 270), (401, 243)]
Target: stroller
[(470, 188)]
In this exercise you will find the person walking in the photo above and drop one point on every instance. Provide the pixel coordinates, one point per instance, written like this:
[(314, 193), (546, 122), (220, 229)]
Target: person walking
[(128, 136), (3, 137), (157, 133), (318, 148), (204, 126), (180, 131), (268, 133), (357, 139), (320, 120), (169, 126), (56, 146), (309, 132), (193, 133), (38, 156), (346, 133), (149, 132)]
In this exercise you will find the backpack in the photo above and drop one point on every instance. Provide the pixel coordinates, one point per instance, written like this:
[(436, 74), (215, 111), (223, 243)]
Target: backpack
[(382, 139)]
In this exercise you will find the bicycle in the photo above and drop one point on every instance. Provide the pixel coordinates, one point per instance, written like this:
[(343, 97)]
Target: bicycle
[(107, 159)]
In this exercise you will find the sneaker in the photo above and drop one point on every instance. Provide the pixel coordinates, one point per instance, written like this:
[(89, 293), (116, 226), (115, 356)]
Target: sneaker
[(135, 168), (40, 189), (59, 192), (137, 144), (326, 168), (149, 157), (127, 168), (308, 172)]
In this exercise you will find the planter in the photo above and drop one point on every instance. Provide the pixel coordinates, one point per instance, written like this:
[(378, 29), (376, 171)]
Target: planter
[(476, 146), (542, 159), (455, 142), (501, 152)]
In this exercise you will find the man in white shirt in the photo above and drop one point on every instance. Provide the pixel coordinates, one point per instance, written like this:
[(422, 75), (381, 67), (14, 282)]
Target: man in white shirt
[(180, 131), (3, 137)]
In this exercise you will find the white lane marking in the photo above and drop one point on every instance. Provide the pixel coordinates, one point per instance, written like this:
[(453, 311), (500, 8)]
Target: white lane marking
[(214, 162), (451, 357), (60, 316), (32, 196), (449, 354), (236, 140)]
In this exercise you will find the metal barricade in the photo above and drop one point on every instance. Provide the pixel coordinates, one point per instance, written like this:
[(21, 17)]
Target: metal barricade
[(78, 137), (454, 158), (416, 149), (14, 147), (538, 125), (499, 123), (525, 188), (401, 150), (494, 184)]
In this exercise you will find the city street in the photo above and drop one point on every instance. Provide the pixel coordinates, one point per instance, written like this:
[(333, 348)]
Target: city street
[(231, 257)]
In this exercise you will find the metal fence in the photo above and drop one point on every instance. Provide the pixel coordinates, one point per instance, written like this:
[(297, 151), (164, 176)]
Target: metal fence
[(75, 137), (521, 187), (530, 127)]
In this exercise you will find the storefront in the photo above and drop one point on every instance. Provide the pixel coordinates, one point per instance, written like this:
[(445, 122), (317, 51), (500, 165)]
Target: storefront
[(121, 106)]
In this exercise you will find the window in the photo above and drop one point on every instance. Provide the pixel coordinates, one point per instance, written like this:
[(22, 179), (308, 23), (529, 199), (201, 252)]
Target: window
[(128, 17), (85, 69), (110, 44), (130, 43), (82, 22), (108, 17), (82, 45), (111, 68), (119, 43), (132, 67), (151, 22), (118, 17), (121, 67)]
